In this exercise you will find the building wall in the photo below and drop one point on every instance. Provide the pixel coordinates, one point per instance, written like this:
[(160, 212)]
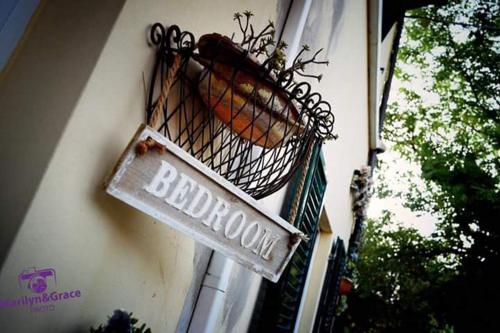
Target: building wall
[(314, 289), (87, 100), (116, 256), (345, 85), (39, 89)]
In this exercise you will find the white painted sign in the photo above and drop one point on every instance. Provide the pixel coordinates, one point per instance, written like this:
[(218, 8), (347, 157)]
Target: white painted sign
[(160, 179)]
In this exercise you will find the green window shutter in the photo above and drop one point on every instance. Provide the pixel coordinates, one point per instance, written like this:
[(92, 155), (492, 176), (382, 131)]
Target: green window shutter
[(326, 314), (278, 304)]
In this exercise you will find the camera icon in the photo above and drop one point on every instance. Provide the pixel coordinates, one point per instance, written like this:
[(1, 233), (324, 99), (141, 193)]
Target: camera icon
[(36, 279)]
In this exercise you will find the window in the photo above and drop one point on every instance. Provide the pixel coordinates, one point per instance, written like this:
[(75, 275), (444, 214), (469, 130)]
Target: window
[(325, 317), (14, 18), (278, 304)]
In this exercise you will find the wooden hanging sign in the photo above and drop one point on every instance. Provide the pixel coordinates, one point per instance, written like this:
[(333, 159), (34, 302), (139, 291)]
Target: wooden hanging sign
[(160, 179)]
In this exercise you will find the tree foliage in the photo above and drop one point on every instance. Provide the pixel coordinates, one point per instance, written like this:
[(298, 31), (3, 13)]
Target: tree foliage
[(401, 278), (451, 126), (446, 119)]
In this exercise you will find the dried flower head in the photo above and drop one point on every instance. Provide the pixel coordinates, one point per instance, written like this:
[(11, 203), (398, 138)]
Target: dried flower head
[(263, 44)]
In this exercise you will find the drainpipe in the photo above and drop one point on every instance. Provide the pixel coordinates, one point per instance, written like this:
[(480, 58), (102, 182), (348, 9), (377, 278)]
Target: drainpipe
[(294, 27), (207, 313), (210, 303), (374, 35)]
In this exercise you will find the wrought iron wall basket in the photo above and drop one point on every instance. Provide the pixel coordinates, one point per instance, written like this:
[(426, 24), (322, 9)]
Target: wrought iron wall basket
[(229, 111)]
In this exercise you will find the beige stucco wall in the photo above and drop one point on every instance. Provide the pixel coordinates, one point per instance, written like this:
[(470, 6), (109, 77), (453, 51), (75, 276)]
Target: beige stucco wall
[(116, 256), (318, 269), (345, 85), (39, 89)]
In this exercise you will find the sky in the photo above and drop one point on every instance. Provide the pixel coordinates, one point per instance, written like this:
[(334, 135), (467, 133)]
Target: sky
[(424, 222), (396, 165)]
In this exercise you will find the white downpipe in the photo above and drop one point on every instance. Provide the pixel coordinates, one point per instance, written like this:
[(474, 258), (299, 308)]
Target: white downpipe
[(374, 75), (206, 315), (208, 308), (292, 31)]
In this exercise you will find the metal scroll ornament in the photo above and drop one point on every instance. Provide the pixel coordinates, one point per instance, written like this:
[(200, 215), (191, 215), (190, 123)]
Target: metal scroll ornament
[(234, 108)]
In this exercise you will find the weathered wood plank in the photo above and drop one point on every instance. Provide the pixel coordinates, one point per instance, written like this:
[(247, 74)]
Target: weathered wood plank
[(178, 190)]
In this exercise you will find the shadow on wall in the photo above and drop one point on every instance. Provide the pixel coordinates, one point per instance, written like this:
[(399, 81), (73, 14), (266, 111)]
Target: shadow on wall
[(322, 30), (38, 93), (132, 229)]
